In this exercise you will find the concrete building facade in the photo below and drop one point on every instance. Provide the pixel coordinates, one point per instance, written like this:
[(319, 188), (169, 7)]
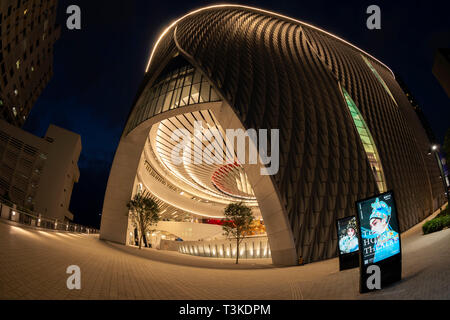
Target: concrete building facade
[(346, 131), (39, 173)]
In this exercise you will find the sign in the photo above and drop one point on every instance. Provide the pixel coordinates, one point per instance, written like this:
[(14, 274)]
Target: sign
[(379, 238), (348, 243)]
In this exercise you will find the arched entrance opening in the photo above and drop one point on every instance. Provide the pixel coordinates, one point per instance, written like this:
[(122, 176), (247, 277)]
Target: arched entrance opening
[(193, 195)]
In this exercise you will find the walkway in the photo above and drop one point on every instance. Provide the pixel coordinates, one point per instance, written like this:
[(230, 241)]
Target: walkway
[(33, 266)]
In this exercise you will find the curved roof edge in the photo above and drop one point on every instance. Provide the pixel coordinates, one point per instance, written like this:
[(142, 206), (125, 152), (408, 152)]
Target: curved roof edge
[(174, 23)]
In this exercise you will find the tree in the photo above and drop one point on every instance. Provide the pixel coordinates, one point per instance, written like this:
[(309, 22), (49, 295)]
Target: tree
[(238, 223), (144, 212)]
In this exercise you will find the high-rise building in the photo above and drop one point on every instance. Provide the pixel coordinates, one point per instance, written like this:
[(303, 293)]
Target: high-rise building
[(415, 104), (346, 131), (39, 173), (28, 33), (441, 68)]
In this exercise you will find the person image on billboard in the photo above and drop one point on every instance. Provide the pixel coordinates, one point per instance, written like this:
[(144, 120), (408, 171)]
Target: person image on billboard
[(349, 242), (386, 240)]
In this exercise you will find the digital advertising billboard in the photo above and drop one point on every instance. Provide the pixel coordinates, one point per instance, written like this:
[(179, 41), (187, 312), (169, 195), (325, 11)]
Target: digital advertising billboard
[(347, 235), (379, 228), (348, 243), (379, 235)]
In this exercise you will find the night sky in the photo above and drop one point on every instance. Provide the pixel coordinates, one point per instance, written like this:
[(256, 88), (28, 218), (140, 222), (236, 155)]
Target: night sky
[(97, 70)]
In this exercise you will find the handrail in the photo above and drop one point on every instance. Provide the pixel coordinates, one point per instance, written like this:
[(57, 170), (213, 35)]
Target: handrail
[(10, 211)]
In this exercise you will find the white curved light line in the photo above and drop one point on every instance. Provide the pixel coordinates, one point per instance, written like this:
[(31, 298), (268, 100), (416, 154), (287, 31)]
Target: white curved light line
[(260, 10), (171, 168), (177, 206), (174, 170), (177, 174)]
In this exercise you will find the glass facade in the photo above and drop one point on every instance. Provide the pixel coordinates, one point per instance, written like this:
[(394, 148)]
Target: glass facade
[(182, 87), (367, 141), (377, 75)]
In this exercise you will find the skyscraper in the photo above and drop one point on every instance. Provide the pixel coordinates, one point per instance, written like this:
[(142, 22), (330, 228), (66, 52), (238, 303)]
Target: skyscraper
[(28, 33), (441, 68), (415, 104), (36, 173)]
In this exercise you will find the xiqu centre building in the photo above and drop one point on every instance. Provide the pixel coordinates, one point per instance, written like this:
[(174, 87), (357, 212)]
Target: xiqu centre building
[(346, 131)]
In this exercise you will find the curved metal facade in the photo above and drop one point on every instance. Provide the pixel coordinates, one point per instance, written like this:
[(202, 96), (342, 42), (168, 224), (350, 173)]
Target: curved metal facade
[(278, 73)]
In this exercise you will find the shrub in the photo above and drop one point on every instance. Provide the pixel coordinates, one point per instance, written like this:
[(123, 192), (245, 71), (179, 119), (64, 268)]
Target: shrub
[(446, 221), (437, 224), (444, 213), (432, 226)]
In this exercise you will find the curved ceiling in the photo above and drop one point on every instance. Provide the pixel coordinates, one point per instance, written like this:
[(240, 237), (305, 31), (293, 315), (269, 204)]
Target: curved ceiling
[(210, 167)]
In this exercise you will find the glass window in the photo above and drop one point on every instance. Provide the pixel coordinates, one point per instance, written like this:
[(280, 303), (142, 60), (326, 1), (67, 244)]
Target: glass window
[(167, 101), (214, 95), (172, 85), (204, 92), (159, 105), (367, 141), (185, 96), (179, 83), (176, 98), (182, 87), (195, 94), (359, 123), (197, 77), (188, 79)]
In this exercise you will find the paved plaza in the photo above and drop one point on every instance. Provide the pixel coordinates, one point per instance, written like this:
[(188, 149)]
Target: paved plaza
[(33, 265)]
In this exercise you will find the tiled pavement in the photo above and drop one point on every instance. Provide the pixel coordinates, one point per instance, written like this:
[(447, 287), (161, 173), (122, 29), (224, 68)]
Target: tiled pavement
[(33, 266)]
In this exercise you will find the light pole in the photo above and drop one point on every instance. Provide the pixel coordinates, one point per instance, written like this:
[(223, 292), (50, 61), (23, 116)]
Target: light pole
[(435, 149)]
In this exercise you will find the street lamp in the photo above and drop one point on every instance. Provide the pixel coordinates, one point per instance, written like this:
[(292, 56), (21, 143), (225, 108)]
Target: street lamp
[(435, 149)]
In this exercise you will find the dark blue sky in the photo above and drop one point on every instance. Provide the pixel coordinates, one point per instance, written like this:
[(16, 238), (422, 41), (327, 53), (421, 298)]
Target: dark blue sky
[(98, 69)]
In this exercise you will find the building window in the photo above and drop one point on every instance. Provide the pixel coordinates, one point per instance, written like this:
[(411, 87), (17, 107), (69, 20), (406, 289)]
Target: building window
[(181, 87), (367, 141), (377, 75)]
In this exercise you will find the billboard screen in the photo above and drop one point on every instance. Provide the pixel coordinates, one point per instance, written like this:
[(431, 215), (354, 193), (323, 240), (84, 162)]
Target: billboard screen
[(380, 238), (347, 235)]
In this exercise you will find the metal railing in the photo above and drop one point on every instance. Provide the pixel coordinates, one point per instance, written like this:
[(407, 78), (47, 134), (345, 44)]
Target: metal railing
[(10, 212)]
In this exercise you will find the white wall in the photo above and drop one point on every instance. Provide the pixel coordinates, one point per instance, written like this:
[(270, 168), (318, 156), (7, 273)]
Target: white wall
[(250, 248), (191, 231)]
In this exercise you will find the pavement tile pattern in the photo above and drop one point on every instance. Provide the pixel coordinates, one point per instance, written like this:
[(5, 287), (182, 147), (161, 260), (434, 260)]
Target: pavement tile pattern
[(33, 265)]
